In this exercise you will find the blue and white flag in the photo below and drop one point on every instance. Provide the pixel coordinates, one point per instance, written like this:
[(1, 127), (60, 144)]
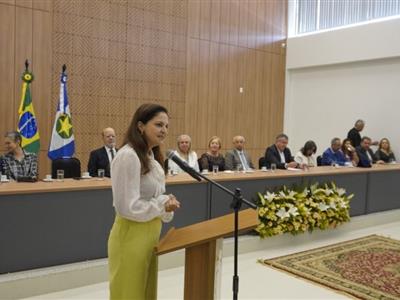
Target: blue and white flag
[(62, 144)]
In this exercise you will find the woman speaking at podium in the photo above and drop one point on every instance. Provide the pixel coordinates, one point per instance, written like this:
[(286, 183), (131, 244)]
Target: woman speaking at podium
[(138, 187)]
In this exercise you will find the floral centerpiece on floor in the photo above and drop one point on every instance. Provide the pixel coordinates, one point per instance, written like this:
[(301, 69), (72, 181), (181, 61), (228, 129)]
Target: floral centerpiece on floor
[(300, 210)]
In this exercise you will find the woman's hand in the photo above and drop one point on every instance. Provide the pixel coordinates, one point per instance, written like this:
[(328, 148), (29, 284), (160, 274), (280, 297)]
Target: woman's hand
[(172, 204)]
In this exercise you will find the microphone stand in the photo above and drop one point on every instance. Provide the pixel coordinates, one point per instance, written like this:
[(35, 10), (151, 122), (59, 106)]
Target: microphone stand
[(237, 200)]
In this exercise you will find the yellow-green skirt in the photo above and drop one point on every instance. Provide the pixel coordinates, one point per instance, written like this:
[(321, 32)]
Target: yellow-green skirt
[(132, 261)]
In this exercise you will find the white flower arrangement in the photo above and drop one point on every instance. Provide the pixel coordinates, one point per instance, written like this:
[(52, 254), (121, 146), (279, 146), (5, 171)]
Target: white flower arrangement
[(296, 211)]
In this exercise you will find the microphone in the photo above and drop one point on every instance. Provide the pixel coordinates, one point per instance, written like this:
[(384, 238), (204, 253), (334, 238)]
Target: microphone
[(183, 165)]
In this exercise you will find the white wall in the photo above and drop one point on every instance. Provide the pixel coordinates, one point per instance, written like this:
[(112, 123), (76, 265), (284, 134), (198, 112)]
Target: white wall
[(327, 91)]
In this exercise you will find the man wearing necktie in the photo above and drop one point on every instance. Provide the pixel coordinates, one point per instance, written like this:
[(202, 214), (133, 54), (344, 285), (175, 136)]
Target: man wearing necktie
[(238, 158), (101, 158)]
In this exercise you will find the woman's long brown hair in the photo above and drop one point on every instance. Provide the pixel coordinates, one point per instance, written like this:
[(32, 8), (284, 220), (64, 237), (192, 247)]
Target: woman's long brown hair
[(134, 138)]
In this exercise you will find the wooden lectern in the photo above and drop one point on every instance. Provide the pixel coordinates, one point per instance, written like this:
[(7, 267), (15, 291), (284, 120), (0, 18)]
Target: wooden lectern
[(202, 243)]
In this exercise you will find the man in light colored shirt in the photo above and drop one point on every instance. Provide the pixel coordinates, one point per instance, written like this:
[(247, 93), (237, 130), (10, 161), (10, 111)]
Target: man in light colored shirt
[(102, 157), (238, 158)]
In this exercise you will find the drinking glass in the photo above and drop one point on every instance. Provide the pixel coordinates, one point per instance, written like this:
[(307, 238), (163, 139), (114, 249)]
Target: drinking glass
[(273, 167), (215, 169), (100, 174), (60, 175)]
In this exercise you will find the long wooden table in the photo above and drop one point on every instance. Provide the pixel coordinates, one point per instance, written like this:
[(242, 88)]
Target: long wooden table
[(51, 223)]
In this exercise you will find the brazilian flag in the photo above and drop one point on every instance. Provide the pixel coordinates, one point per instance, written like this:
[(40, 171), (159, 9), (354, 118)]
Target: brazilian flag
[(27, 124)]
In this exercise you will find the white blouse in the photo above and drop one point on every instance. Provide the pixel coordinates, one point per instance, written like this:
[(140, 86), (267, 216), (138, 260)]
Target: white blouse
[(192, 162), (310, 161), (138, 197)]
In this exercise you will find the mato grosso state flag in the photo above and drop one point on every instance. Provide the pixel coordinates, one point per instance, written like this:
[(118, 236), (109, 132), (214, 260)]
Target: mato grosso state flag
[(62, 144), (27, 124)]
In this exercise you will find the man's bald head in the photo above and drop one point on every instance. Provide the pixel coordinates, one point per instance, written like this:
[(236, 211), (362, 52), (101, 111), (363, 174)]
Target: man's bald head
[(108, 135), (238, 142)]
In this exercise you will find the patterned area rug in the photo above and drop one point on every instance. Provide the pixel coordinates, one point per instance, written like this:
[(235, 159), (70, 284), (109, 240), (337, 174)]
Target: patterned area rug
[(365, 268)]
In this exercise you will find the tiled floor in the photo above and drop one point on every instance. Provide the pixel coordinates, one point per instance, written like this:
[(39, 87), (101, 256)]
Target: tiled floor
[(256, 281)]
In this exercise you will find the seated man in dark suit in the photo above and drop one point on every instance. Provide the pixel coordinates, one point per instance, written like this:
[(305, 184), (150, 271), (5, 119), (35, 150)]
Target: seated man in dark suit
[(238, 157), (279, 154), (365, 154), (102, 157), (334, 154)]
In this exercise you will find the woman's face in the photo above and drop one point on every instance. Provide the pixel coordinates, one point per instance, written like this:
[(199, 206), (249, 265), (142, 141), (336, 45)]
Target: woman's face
[(385, 144), (310, 152), (214, 145), (155, 130), (10, 145), (347, 144), (184, 144)]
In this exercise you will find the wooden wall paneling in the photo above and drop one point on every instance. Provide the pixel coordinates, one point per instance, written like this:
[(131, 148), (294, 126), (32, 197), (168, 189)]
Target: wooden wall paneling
[(264, 70), (224, 111), (260, 28), (45, 5), (280, 25), (269, 133), (260, 97), (277, 94), (191, 56), (252, 25), (252, 133), (67, 7), (215, 20), (281, 83), (284, 27), (41, 87), (23, 51), (234, 19), (205, 20), (224, 22), (135, 16), (242, 114), (7, 75), (203, 88), (269, 26), (233, 94), (194, 8), (192, 69), (243, 22), (9, 2), (213, 84), (24, 3)]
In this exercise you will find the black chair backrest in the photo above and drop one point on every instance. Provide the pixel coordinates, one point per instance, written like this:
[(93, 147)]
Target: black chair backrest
[(71, 167), (319, 160), (261, 162), (199, 162), (166, 165)]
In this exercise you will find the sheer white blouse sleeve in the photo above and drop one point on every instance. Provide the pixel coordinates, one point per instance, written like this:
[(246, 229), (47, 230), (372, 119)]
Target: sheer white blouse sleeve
[(135, 196)]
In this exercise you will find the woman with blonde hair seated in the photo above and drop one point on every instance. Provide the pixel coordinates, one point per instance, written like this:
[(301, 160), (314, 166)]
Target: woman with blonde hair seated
[(213, 157), (385, 152), (184, 143)]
